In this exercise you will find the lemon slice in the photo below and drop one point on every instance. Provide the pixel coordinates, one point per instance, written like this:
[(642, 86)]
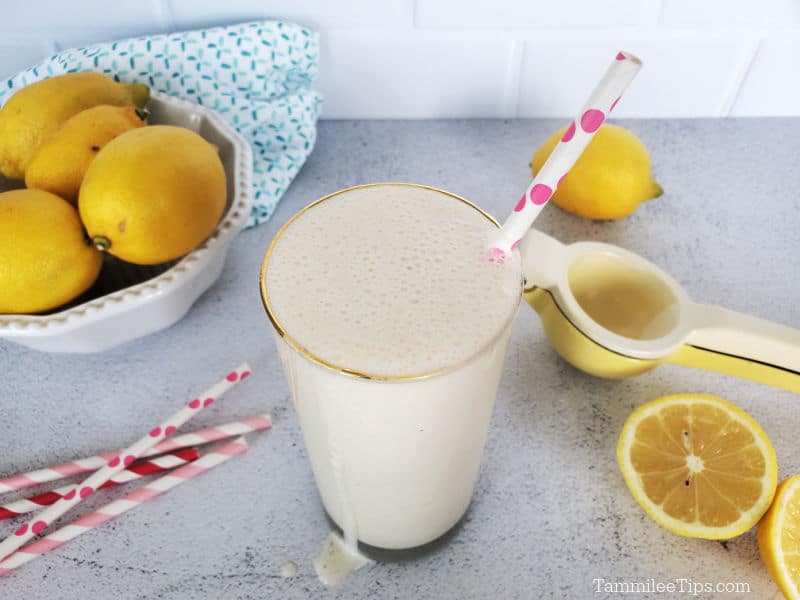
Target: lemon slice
[(779, 538), (698, 465)]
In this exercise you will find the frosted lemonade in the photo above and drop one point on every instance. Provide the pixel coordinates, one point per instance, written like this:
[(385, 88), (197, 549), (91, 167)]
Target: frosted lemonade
[(392, 326)]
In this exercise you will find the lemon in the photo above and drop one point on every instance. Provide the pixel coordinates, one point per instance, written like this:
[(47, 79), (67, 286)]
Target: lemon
[(61, 162), (45, 260), (779, 538), (609, 180), (699, 466), (37, 111), (153, 194)]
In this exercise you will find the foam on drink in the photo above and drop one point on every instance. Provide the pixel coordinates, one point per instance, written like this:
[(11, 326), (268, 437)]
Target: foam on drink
[(391, 280)]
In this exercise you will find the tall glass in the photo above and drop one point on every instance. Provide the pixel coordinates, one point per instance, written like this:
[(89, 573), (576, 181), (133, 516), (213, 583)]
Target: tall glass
[(395, 458)]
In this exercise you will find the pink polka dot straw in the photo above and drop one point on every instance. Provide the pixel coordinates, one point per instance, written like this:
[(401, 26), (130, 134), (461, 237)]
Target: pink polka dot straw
[(604, 98), (135, 471), (119, 462), (92, 463), (116, 508)]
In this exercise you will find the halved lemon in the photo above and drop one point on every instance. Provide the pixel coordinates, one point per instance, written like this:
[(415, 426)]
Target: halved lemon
[(698, 465), (779, 538)]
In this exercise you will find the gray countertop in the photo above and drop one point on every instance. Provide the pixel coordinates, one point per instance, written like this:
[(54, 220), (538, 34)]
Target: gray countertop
[(550, 513)]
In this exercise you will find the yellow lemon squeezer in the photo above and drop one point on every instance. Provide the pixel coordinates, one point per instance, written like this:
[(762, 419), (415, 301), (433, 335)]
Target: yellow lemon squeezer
[(613, 314)]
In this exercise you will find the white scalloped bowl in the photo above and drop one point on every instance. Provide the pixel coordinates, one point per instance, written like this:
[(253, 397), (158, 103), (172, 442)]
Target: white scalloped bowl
[(129, 301)]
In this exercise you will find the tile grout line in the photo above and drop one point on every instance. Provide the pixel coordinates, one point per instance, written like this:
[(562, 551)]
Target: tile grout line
[(165, 14), (661, 8), (733, 96), (652, 14), (513, 80)]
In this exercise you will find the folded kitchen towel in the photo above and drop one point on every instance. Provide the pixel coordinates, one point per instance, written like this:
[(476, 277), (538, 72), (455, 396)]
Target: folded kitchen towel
[(258, 75)]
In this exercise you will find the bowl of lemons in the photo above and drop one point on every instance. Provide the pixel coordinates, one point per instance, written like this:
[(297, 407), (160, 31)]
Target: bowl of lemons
[(117, 208)]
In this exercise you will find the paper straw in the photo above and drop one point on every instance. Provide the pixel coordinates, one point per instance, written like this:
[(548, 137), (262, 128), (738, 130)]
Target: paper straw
[(135, 471), (119, 462), (116, 508), (92, 463), (579, 133), (214, 434)]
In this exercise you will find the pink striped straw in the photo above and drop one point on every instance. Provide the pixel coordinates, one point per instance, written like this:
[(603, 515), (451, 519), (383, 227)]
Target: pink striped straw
[(92, 463), (116, 508), (119, 462), (135, 471), (580, 132)]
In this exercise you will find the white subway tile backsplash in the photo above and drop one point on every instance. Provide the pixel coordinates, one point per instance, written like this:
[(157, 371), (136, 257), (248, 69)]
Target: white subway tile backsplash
[(312, 13), (529, 14), (683, 75), (26, 16), (746, 14), (504, 58), (383, 74), (18, 53), (56, 26), (772, 85), (76, 38)]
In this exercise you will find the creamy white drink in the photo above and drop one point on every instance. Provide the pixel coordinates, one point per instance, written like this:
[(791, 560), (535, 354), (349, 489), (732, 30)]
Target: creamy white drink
[(392, 325)]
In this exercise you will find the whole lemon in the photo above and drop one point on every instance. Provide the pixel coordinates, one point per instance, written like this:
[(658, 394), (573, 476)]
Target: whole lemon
[(61, 162), (45, 259), (37, 111), (153, 194), (609, 180)]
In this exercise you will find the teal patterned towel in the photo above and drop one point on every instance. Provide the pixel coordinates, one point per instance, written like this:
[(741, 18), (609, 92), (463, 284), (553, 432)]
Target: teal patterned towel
[(257, 75)]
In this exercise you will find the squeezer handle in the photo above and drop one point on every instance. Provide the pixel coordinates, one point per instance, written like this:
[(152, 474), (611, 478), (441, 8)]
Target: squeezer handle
[(725, 341)]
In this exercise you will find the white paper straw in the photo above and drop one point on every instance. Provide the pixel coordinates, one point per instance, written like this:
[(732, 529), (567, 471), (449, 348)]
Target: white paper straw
[(116, 508), (86, 488), (578, 135)]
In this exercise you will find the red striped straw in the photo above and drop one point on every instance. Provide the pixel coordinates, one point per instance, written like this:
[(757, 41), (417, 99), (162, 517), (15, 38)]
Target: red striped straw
[(580, 132), (116, 508), (119, 462), (135, 471), (92, 463)]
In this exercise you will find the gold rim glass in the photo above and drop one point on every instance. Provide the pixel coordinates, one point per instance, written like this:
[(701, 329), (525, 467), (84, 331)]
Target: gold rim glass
[(295, 345)]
